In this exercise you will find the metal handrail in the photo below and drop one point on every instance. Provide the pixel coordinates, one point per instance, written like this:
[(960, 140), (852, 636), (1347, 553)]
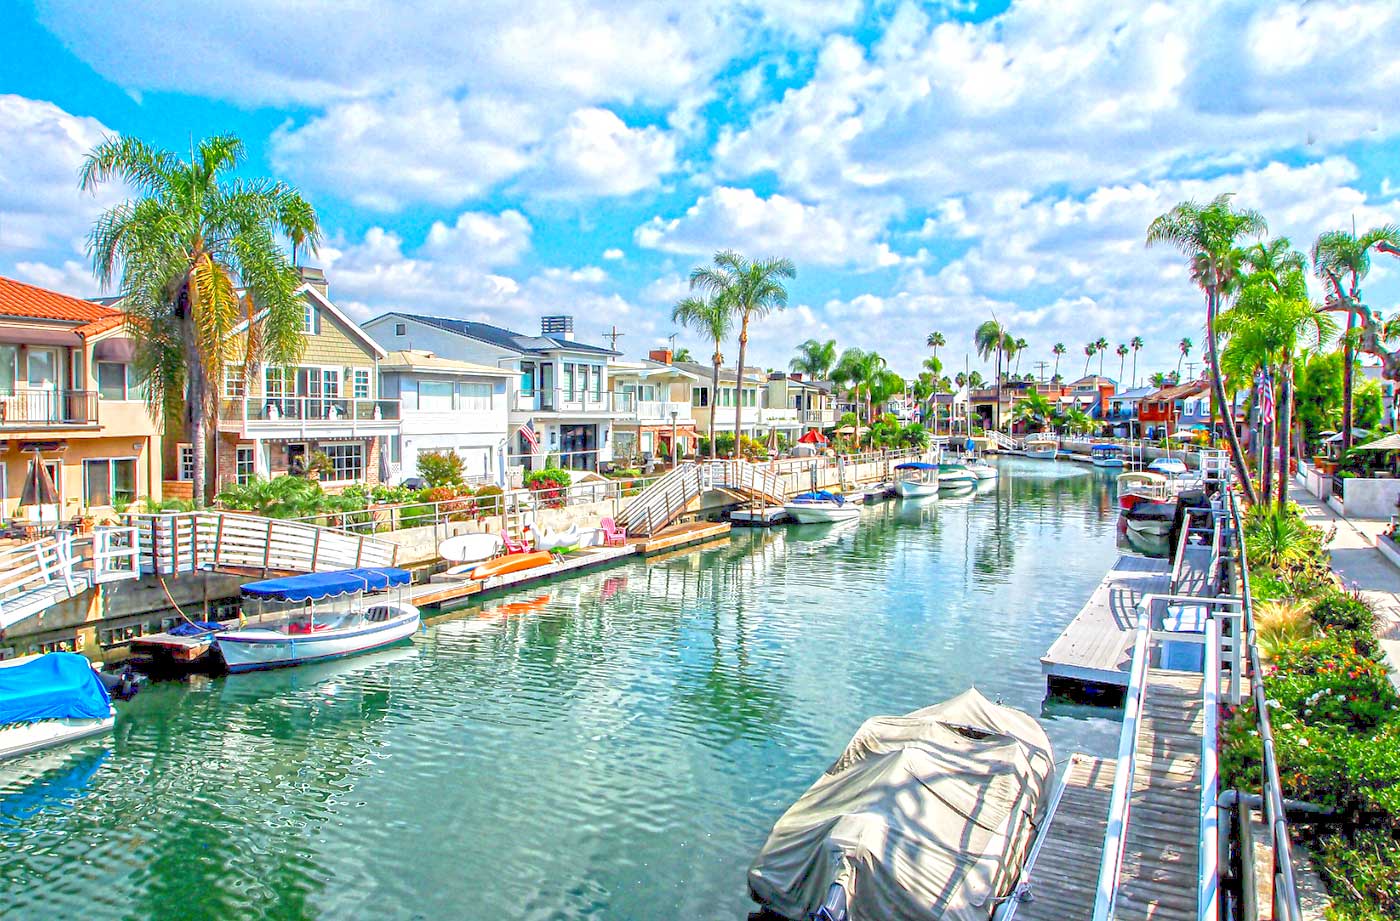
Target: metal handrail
[(1208, 846)]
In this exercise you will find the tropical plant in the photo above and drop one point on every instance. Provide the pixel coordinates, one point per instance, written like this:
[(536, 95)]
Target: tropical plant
[(1017, 347), (441, 468), (1184, 351), (1035, 408), (1208, 236), (1101, 347), (752, 290), (1136, 345), (712, 317), (682, 354), (1077, 421), (1058, 351), (198, 254), (991, 339), (935, 341), (1122, 351), (815, 359), (867, 376), (1090, 348)]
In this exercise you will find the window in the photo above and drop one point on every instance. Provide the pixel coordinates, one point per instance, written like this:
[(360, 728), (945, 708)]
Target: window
[(476, 397), (750, 396), (9, 362), (105, 481), (359, 380), (347, 461), (527, 378), (395, 449), (243, 464), (435, 396), (583, 380), (276, 380), (233, 382), (185, 458), (700, 396), (598, 383), (400, 329), (111, 380), (568, 382), (308, 316)]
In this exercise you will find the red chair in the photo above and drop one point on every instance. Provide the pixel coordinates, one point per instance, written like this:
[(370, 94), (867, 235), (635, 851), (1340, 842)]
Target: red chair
[(613, 536), (515, 546)]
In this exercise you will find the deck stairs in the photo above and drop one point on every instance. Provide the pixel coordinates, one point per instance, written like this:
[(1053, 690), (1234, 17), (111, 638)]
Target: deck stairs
[(37, 575), (235, 543), (679, 492), (1002, 440)]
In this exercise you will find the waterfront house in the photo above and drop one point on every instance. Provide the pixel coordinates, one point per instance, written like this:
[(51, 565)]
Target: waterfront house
[(657, 401), (792, 404), (722, 406), (69, 399), (1091, 395), (558, 386), (447, 405), (1159, 412), (1122, 413), (279, 419)]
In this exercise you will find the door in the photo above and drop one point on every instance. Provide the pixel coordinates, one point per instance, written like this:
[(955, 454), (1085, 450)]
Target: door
[(546, 402), (42, 381)]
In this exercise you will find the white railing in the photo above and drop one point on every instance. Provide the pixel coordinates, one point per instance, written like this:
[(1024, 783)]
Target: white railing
[(39, 574), (658, 411), (559, 400), (115, 554), (670, 496), (212, 540), (298, 409)]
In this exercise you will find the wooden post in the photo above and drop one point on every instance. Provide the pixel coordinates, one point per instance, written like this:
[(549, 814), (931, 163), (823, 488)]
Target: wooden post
[(316, 548), (219, 542), (359, 551), (267, 546), (175, 543)]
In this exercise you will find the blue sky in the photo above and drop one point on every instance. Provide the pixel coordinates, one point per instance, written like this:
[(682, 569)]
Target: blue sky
[(926, 166)]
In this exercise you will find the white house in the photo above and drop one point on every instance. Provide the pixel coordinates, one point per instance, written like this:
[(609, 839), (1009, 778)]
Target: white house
[(448, 405), (557, 387), (656, 399)]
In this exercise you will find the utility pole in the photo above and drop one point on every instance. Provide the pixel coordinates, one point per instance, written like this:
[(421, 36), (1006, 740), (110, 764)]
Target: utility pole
[(1190, 370), (1040, 370), (614, 335)]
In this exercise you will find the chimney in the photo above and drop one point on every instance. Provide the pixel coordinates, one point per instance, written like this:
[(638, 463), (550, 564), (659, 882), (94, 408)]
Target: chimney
[(797, 376), (664, 356), (314, 277), (559, 326)]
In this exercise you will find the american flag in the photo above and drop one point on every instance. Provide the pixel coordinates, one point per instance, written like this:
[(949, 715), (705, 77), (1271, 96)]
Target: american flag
[(527, 432), (1265, 384)]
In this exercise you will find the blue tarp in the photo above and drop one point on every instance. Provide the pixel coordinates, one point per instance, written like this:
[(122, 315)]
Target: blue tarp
[(820, 495), (916, 465), (59, 685), (317, 585), (195, 628), (1105, 449)]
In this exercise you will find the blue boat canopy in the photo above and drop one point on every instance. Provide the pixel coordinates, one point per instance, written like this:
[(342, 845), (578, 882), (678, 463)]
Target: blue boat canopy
[(1105, 449), (916, 465), (317, 585), (59, 685), (820, 495)]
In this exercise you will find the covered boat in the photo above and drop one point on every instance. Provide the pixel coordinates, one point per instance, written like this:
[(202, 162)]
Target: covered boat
[(924, 817), (1042, 447), (916, 478), (49, 700), (321, 615), (1168, 466), (1141, 486), (820, 507), (1106, 455)]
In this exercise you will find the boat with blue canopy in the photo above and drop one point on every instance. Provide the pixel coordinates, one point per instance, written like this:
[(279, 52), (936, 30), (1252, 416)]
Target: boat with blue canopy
[(50, 700), (956, 476), (820, 507), (916, 479), (318, 616), (1106, 455)]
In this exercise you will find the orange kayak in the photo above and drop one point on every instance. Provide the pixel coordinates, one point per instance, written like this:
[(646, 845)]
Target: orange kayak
[(511, 562)]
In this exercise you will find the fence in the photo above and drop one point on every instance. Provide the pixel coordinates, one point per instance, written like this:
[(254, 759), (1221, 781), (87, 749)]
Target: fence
[(58, 566), (192, 541)]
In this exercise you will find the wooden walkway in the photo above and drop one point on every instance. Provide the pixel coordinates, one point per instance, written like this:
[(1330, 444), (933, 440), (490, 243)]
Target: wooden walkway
[(1066, 870), (1096, 647)]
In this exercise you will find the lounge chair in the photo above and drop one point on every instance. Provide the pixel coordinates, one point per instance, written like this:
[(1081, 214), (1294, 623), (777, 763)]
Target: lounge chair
[(613, 536)]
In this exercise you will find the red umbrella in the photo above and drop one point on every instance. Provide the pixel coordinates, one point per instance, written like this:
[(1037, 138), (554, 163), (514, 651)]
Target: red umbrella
[(813, 437)]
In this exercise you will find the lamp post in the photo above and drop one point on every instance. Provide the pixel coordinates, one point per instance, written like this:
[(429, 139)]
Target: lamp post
[(674, 458)]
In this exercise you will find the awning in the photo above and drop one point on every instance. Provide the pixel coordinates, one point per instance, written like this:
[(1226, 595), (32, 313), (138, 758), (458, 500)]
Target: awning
[(115, 349), (317, 585), (39, 335), (1388, 443)]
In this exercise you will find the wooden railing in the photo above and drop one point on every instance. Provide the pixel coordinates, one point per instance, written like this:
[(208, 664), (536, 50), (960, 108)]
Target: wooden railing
[(670, 497), (39, 574), (191, 541)]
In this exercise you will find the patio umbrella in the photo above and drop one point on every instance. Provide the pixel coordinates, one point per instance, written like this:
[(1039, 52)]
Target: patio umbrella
[(812, 437), (39, 489), (1388, 443)]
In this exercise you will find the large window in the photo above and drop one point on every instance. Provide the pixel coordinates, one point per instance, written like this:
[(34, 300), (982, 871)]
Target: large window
[(700, 396), (750, 397), (107, 480), (233, 382), (347, 461), (244, 464), (111, 380), (598, 383), (476, 397), (360, 382), (435, 396), (9, 362), (308, 317), (568, 382)]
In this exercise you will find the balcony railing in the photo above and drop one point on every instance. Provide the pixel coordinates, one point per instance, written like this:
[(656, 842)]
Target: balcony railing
[(312, 409), (660, 410), (560, 400), (819, 417), (40, 407)]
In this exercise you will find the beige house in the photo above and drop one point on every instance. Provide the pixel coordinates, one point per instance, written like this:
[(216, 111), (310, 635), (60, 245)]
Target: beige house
[(793, 404), (655, 399), (69, 400)]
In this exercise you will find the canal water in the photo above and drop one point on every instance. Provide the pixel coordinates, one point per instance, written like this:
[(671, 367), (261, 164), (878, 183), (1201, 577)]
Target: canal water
[(613, 746)]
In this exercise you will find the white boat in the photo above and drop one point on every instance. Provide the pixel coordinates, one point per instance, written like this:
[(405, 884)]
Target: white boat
[(345, 621), (916, 479), (980, 468), (470, 548), (1042, 447), (955, 476), (50, 700), (557, 541), (820, 507), (1168, 466), (1106, 455)]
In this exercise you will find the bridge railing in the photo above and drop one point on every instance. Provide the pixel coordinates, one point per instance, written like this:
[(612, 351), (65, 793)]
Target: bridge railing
[(210, 540), (39, 574)]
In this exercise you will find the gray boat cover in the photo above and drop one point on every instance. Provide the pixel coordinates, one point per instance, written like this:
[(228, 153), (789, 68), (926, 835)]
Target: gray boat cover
[(925, 816)]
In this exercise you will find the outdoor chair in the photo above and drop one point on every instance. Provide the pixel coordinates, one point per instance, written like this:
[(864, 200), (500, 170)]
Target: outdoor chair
[(613, 536)]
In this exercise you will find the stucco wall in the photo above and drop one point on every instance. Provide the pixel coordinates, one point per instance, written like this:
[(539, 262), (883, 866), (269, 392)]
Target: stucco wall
[(1368, 498)]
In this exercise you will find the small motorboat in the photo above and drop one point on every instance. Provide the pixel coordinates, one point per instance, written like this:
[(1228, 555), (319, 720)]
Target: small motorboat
[(50, 700), (820, 507), (923, 817), (1042, 447), (980, 468), (1151, 516), (1168, 466), (1106, 455), (319, 616), (955, 476), (916, 480), (511, 562)]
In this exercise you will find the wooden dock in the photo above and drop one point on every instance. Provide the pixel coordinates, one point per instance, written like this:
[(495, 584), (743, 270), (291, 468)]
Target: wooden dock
[(1066, 869), (1096, 647), (680, 535)]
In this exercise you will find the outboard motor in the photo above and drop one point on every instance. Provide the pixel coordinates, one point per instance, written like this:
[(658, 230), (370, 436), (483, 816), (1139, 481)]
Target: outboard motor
[(122, 686), (833, 907), (1186, 499)]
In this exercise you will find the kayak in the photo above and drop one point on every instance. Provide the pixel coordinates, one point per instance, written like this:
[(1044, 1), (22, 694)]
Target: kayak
[(511, 562)]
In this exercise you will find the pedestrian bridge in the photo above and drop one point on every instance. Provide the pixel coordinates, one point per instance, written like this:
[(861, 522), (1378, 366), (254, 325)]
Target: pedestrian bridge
[(241, 544), (41, 573)]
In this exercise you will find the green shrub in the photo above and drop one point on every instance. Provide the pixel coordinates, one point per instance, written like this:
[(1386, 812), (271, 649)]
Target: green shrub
[(1343, 611), (1367, 864), (392, 495), (1327, 680), (440, 468)]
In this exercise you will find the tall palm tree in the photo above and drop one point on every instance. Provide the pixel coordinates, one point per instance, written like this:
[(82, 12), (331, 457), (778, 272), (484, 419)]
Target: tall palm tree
[(990, 339), (1090, 349), (713, 318), (1101, 347), (1035, 408), (1058, 351), (184, 247), (1184, 348), (1019, 345), (935, 341), (815, 359), (1208, 235), (1136, 345), (752, 289), (1342, 260), (1122, 351)]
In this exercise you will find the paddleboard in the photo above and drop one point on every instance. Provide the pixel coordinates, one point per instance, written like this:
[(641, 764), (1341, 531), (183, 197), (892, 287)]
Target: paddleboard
[(470, 548)]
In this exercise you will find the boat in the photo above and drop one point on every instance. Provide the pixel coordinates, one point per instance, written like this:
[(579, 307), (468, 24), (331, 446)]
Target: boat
[(1141, 486), (511, 562), (916, 479), (1042, 447), (955, 476), (560, 541), (318, 616), (1154, 517), (923, 817), (1168, 466), (980, 468), (470, 548), (51, 700), (820, 507), (1106, 455)]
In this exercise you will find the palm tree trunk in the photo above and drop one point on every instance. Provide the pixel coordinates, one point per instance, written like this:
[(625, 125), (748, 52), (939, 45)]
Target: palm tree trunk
[(997, 417), (1284, 412), (1348, 361), (1217, 387), (1134, 367), (739, 388), (1266, 458), (199, 430), (714, 400), (1087, 358), (1056, 373)]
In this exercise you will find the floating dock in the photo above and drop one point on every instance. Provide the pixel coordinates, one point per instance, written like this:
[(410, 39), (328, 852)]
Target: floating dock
[(1065, 871)]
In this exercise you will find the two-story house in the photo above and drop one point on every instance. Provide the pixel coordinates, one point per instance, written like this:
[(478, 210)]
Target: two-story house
[(558, 393), (281, 418), (1160, 412), (1122, 412), (69, 400), (806, 404), (448, 405), (656, 397), (722, 405)]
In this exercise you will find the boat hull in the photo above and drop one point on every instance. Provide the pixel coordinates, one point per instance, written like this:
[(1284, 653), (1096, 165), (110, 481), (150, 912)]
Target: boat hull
[(1156, 527), (909, 489), (983, 471), (251, 650), (23, 738), (957, 481), (817, 514), (1041, 453), (513, 562), (1108, 462)]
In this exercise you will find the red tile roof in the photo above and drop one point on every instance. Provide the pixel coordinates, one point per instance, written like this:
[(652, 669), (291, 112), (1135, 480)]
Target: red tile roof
[(101, 325), (20, 300)]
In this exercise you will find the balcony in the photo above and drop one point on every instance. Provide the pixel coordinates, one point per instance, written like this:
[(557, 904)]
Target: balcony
[(819, 418), (40, 408), (575, 402), (311, 417), (656, 412)]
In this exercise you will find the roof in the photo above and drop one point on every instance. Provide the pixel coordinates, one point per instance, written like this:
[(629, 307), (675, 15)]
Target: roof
[(1136, 393), (101, 325), (317, 585), (18, 299), (645, 367), (423, 360), (706, 372), (350, 325), (501, 337), (1177, 391)]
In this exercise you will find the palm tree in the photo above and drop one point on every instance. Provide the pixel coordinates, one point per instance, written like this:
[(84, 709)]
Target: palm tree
[(1058, 351), (1135, 344), (184, 248), (975, 380), (1341, 258), (1101, 347), (933, 365), (1158, 379), (1089, 350), (1122, 351), (815, 359), (1208, 236), (991, 339), (1020, 346), (682, 354), (1036, 408), (713, 318), (1184, 347), (960, 379), (865, 375), (752, 290), (935, 341)]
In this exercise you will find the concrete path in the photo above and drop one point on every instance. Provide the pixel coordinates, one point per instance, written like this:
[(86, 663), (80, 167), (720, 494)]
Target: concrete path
[(1360, 565)]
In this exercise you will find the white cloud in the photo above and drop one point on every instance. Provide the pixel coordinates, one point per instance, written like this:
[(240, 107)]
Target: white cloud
[(480, 239), (739, 219), (613, 254), (596, 153)]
